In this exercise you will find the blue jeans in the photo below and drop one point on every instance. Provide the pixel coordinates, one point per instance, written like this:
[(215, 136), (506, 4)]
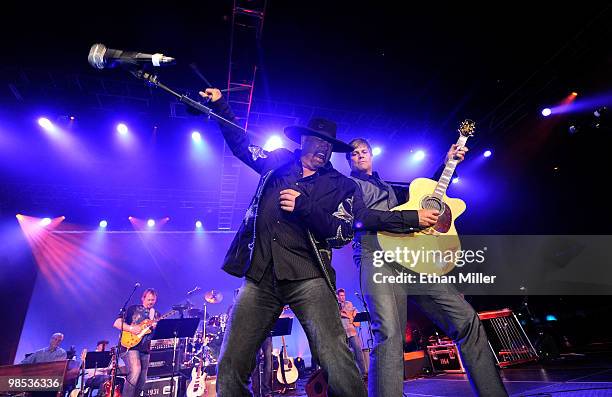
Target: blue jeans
[(442, 303), (137, 364), (355, 345), (252, 317)]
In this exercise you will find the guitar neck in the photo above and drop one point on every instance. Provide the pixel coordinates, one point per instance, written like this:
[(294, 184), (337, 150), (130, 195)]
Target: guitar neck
[(170, 313), (284, 347), (447, 174)]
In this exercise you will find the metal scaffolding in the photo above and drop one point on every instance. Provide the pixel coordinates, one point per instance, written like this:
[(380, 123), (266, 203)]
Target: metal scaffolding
[(247, 26)]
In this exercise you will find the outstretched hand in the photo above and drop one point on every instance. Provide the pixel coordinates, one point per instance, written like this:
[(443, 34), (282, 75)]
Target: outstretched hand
[(211, 93)]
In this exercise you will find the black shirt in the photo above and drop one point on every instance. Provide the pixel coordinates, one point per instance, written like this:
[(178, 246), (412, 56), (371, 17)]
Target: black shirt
[(136, 314), (281, 238)]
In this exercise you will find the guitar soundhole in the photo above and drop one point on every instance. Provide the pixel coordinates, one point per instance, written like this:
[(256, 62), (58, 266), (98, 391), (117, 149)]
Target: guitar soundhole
[(433, 203)]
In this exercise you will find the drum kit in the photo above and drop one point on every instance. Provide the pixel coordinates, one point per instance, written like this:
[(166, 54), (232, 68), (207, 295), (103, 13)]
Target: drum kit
[(205, 346)]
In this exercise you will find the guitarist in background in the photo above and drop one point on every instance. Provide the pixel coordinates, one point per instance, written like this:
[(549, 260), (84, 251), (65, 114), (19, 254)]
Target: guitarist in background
[(136, 359), (387, 302), (347, 314)]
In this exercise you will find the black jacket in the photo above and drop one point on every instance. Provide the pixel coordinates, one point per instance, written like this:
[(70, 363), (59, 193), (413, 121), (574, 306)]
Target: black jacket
[(327, 212)]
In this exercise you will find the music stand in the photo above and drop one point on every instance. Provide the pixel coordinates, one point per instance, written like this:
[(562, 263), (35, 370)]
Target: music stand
[(175, 328), (97, 360), (362, 317), (282, 326)]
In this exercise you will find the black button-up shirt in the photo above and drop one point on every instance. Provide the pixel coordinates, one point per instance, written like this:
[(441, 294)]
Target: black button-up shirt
[(281, 238)]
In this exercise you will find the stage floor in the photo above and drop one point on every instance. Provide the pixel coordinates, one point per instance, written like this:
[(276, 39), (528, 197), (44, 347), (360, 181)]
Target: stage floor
[(573, 375)]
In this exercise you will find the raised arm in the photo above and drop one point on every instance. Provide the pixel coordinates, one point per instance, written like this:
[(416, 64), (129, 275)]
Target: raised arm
[(237, 139)]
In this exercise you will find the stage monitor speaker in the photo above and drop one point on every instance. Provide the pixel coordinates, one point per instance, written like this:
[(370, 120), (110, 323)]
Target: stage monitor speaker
[(160, 387)]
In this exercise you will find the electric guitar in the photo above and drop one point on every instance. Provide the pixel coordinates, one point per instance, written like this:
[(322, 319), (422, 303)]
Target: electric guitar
[(81, 391), (432, 250), (197, 385), (107, 389), (129, 340), (287, 373)]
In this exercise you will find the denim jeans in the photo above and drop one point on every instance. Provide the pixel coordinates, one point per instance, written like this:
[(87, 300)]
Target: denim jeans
[(442, 303), (137, 364), (355, 345), (252, 317)]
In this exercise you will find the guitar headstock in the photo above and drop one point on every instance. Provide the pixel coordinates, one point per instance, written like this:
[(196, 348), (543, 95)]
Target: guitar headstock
[(467, 128)]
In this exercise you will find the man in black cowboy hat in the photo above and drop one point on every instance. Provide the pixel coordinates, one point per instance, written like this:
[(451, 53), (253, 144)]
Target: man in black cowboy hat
[(301, 210)]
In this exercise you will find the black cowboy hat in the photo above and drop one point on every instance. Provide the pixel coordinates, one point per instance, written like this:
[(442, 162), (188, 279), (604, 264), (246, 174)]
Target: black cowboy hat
[(320, 128)]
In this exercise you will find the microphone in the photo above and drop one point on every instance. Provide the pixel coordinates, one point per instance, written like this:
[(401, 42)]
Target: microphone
[(101, 57), (136, 285)]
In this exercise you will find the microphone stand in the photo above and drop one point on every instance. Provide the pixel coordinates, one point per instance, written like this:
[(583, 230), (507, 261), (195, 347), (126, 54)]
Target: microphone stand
[(152, 79), (370, 341), (122, 313)]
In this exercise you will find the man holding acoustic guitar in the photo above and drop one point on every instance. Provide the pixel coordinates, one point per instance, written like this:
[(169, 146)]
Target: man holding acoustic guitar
[(387, 302), (138, 318)]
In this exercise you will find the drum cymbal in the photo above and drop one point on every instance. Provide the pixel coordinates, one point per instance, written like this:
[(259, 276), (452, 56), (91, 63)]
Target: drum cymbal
[(213, 296)]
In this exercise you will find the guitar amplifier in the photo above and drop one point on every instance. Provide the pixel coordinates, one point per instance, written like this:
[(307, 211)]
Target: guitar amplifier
[(161, 387), (160, 362), (163, 344), (445, 358)]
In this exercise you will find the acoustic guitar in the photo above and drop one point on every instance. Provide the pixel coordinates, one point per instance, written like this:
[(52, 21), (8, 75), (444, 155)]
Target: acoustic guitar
[(286, 373), (433, 250)]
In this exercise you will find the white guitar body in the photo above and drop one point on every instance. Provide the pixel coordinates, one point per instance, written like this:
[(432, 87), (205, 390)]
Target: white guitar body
[(197, 386)]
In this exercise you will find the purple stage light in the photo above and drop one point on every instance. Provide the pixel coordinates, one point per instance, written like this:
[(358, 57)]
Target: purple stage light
[(122, 129), (103, 224), (46, 124), (150, 223), (45, 221), (376, 151), (546, 112), (419, 155), (198, 224), (273, 143), (196, 137), (487, 153), (456, 179)]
